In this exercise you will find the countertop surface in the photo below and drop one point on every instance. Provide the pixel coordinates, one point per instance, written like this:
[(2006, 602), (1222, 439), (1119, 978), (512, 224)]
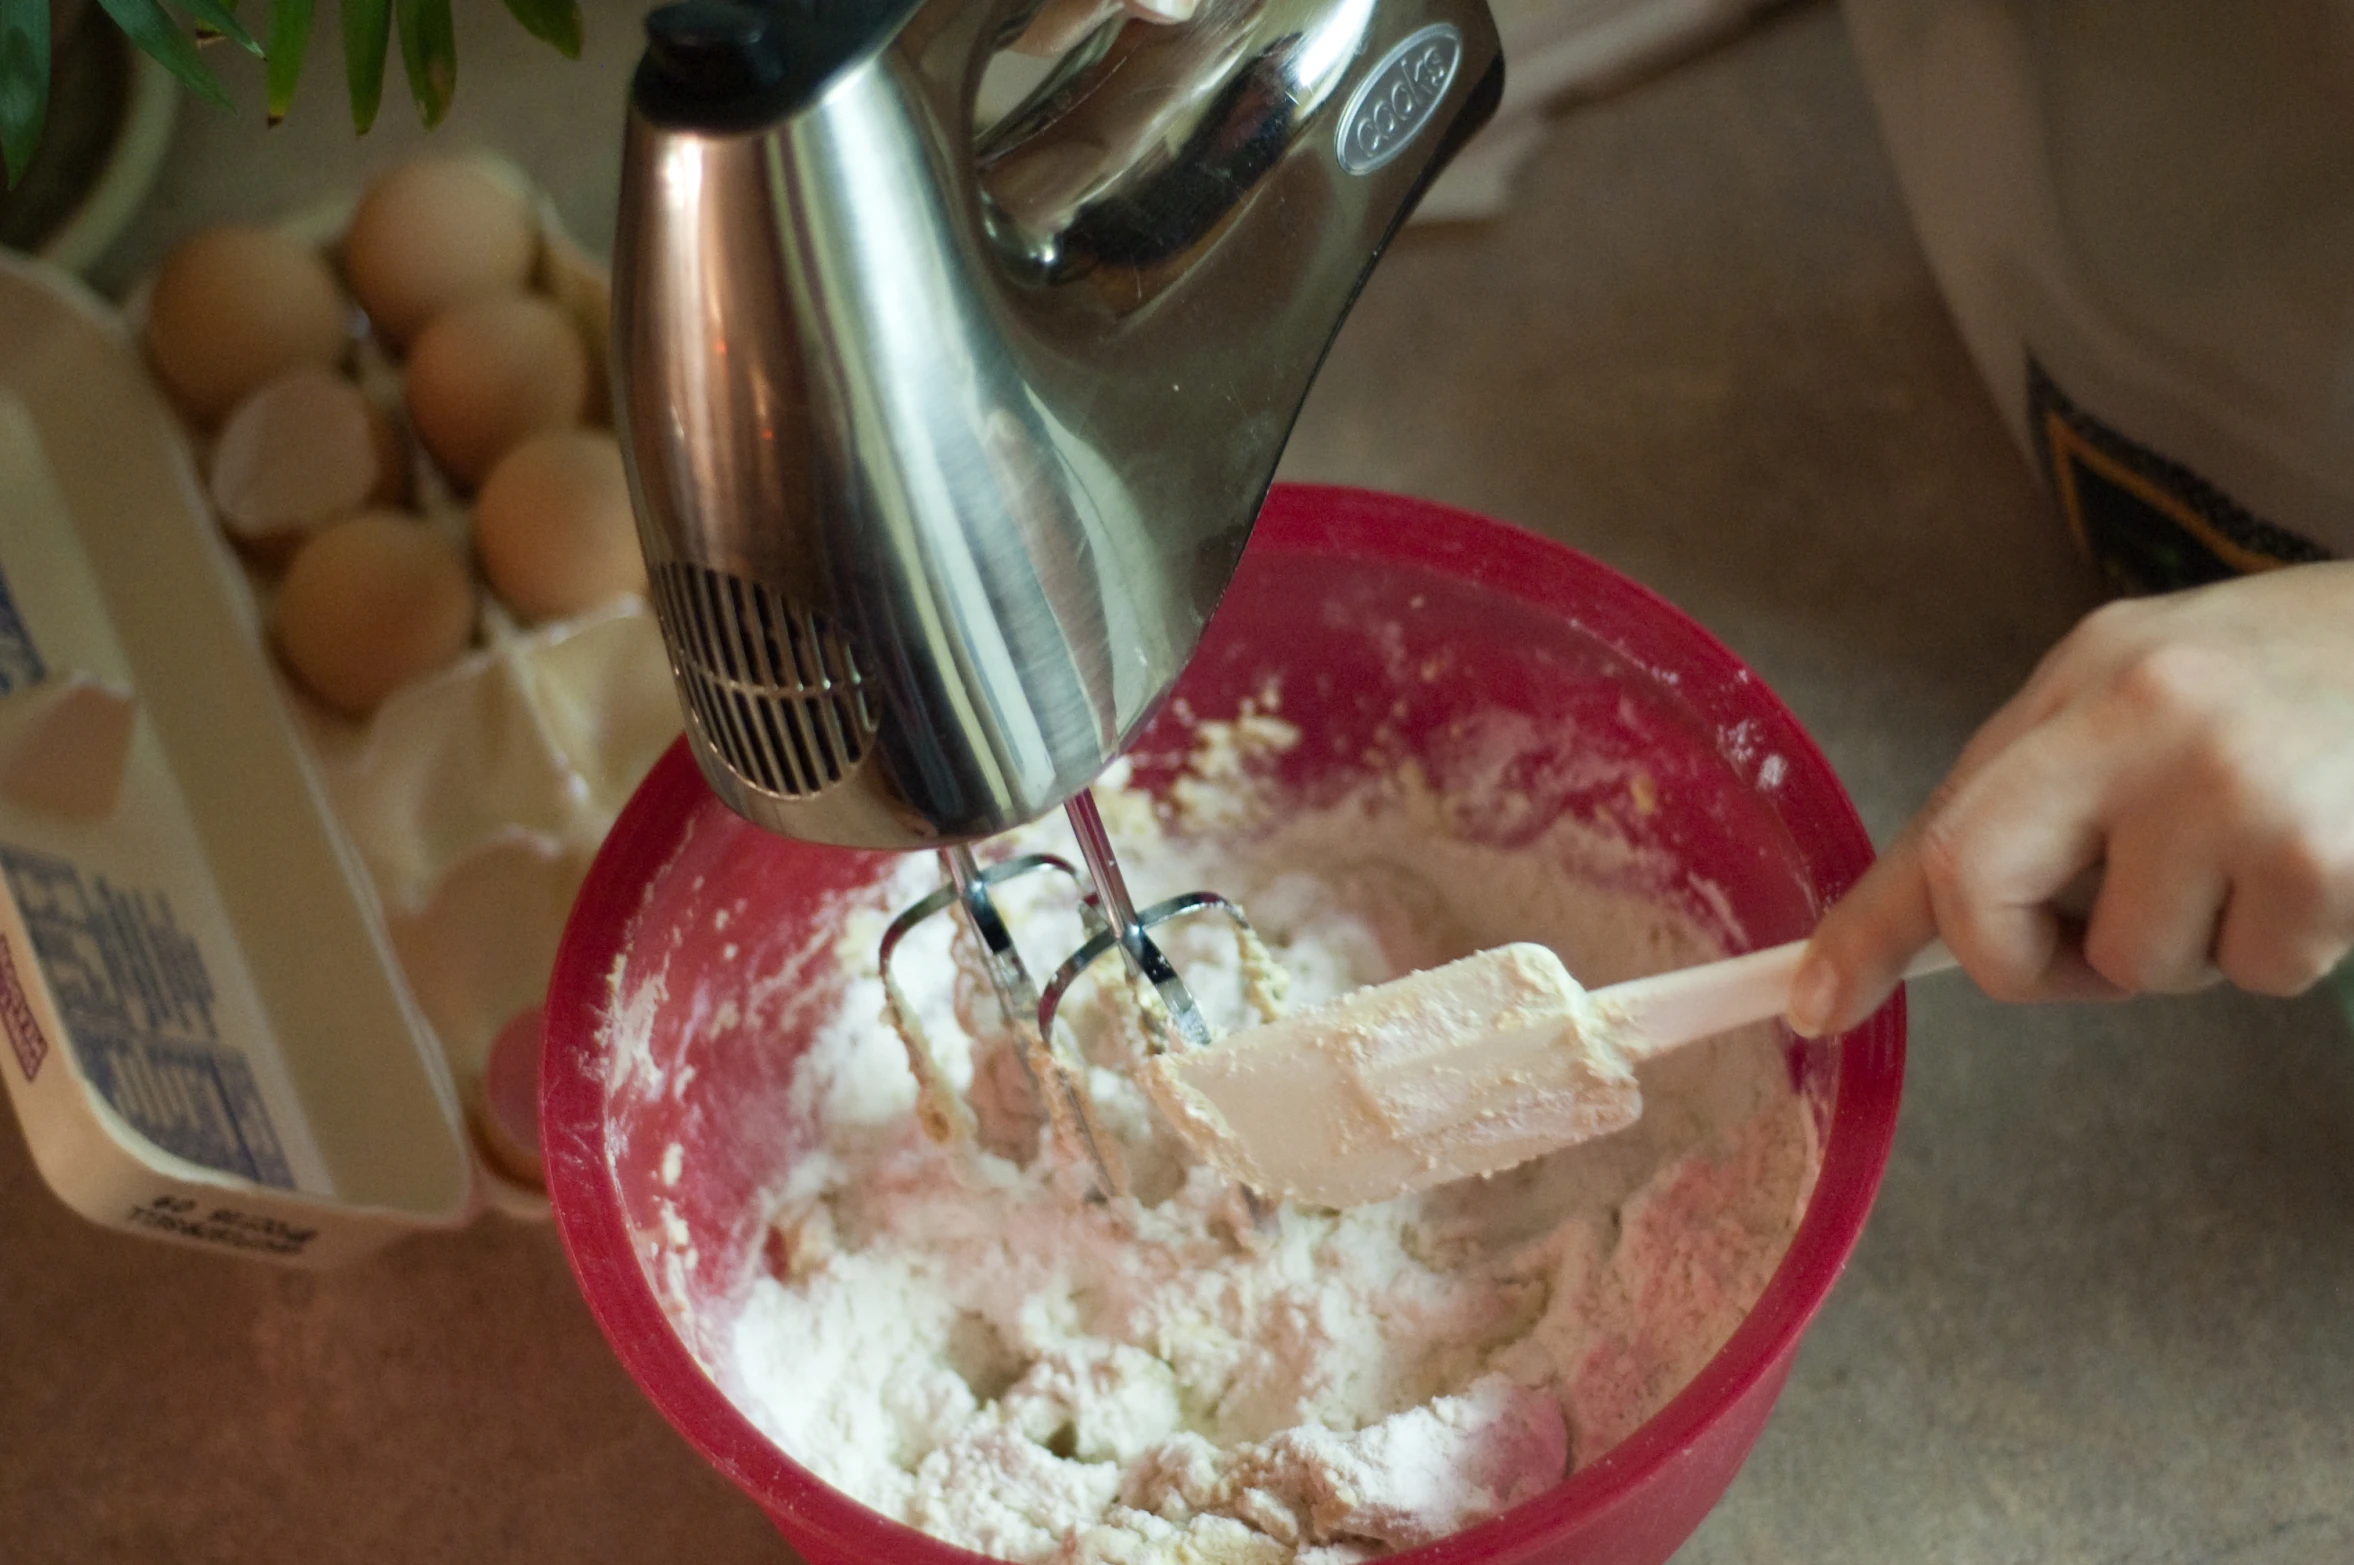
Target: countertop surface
[(2102, 1310)]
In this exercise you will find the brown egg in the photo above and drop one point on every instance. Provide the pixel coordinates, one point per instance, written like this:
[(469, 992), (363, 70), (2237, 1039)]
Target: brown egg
[(486, 374), (233, 307), (305, 449), (553, 525), (432, 234), (503, 1106), (371, 603)]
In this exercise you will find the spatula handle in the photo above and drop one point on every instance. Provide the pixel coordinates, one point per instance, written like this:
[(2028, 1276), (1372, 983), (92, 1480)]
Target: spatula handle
[(1671, 1009)]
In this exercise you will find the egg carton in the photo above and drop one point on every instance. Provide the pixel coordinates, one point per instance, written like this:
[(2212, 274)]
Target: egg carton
[(477, 795), (208, 1037), (314, 941)]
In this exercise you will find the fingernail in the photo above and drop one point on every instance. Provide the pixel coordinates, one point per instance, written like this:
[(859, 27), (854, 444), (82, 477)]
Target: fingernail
[(1813, 991)]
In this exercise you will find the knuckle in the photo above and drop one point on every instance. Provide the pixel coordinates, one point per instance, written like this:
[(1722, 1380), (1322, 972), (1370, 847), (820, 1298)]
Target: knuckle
[(2265, 951), (2006, 969), (1965, 917), (2125, 960), (1945, 855), (2171, 680), (2270, 969), (2115, 624), (2215, 769), (1940, 801), (2297, 915), (2298, 879), (2306, 875), (2006, 980)]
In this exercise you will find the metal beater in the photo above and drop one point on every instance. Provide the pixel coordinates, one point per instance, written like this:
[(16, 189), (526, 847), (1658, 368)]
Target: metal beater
[(944, 440)]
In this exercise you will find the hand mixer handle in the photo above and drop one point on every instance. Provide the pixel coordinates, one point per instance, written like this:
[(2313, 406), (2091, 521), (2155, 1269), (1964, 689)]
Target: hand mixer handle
[(944, 448)]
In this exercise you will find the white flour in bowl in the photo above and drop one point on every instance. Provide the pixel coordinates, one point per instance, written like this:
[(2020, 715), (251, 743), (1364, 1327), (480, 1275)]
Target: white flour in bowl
[(953, 1337)]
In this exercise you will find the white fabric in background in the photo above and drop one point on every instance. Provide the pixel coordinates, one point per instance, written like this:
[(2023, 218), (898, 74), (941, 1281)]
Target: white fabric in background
[(2154, 198)]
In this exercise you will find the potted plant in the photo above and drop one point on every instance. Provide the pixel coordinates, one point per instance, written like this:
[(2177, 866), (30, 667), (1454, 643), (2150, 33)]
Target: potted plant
[(35, 33)]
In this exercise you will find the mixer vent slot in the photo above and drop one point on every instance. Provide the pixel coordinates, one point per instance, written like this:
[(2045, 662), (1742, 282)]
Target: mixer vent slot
[(773, 690)]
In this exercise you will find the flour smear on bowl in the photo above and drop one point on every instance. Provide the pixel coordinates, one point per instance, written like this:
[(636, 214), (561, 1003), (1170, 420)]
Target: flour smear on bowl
[(957, 1338)]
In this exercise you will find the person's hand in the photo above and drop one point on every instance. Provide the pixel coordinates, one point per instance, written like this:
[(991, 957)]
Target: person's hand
[(1062, 23), (2196, 751)]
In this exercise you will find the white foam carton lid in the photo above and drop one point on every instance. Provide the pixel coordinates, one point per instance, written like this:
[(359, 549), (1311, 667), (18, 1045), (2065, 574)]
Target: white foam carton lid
[(202, 1026)]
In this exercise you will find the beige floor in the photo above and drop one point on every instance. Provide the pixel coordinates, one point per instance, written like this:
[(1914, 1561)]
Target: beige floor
[(2105, 1310)]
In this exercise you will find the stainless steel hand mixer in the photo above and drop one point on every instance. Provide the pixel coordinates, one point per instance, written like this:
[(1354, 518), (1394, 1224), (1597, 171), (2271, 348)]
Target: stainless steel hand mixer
[(945, 439)]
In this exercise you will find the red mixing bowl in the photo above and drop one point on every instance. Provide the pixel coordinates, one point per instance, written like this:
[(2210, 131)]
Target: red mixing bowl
[(1386, 622)]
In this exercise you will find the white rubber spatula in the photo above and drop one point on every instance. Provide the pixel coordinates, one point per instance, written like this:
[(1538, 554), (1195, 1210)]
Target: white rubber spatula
[(1464, 1069)]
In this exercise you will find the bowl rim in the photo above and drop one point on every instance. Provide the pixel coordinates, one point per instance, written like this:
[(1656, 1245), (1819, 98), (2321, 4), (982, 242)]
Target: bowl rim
[(1754, 730)]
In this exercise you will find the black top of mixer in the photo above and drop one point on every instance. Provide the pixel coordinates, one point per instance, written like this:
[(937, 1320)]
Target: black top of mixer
[(732, 64)]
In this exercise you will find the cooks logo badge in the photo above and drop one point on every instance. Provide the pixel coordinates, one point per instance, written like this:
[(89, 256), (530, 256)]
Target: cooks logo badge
[(1395, 100)]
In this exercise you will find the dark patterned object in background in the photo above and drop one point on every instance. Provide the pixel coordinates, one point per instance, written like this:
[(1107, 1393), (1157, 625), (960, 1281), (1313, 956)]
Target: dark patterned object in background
[(2151, 524)]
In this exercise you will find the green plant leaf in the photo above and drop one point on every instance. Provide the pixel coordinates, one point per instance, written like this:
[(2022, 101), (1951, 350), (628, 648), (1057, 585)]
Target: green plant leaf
[(146, 24), (290, 40), (219, 20), (24, 81), (367, 30), (429, 53), (552, 22)]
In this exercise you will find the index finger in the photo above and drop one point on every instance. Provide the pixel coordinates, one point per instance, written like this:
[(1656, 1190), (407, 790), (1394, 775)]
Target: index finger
[(1863, 945), (1860, 950)]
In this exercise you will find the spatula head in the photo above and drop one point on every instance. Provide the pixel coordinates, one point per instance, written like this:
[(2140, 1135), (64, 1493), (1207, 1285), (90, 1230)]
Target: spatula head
[(1464, 1069)]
